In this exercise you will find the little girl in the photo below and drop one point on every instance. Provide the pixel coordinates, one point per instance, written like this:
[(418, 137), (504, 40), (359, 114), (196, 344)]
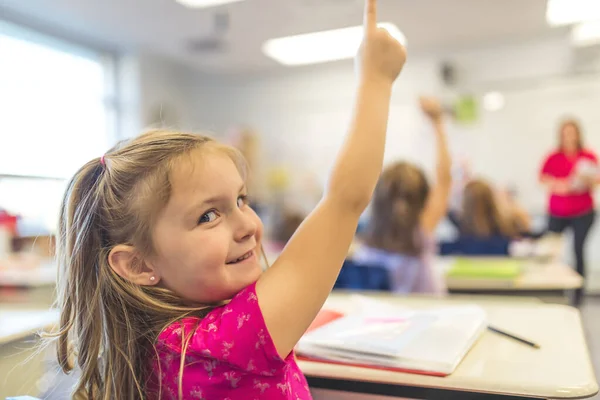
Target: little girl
[(405, 212), (484, 230), (161, 289)]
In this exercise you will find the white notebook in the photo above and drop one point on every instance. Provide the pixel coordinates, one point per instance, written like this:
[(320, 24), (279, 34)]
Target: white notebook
[(430, 341)]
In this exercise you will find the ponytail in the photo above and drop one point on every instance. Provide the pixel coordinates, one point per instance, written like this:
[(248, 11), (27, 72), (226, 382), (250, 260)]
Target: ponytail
[(79, 252)]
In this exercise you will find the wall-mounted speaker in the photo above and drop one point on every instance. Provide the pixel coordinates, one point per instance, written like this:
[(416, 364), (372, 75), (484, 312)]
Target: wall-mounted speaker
[(448, 73)]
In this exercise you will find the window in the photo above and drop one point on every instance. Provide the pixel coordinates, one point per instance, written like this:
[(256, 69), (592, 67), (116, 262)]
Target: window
[(57, 112), (56, 109)]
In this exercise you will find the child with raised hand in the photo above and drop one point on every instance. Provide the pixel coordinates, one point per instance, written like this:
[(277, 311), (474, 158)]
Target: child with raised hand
[(483, 227), (161, 289), (405, 213)]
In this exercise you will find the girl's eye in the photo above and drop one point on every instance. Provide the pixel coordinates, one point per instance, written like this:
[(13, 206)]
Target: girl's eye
[(208, 217), (242, 201)]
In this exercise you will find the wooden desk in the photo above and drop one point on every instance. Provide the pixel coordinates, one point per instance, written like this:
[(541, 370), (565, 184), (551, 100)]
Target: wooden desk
[(550, 281), (21, 367), (495, 368), (535, 276)]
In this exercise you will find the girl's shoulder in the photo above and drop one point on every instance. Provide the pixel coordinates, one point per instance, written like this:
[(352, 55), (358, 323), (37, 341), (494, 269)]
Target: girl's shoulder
[(234, 334)]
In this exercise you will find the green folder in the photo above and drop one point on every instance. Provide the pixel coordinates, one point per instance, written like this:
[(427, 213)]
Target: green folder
[(485, 268)]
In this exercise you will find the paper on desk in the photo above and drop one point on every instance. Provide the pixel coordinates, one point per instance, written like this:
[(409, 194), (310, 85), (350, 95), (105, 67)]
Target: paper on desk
[(377, 308), (364, 305)]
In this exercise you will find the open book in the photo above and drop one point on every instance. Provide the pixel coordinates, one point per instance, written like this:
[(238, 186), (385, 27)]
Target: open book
[(431, 342)]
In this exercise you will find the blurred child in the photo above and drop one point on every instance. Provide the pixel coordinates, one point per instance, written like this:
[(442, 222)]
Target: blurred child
[(161, 290), (404, 215), (483, 228), (284, 229), (518, 218), (246, 141)]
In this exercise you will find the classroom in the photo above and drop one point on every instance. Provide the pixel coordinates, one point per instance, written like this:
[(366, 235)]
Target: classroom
[(361, 200)]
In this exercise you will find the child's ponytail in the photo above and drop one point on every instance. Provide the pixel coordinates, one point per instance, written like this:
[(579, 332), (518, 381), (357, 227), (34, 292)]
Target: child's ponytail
[(80, 251)]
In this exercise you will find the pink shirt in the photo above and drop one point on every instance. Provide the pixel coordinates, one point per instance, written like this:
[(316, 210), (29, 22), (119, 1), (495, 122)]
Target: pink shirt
[(230, 356), (558, 165)]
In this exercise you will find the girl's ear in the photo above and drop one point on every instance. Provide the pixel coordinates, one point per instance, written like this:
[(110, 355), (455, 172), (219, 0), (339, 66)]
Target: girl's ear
[(127, 263)]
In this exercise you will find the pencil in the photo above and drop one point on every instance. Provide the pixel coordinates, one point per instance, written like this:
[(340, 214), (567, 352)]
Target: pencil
[(518, 339)]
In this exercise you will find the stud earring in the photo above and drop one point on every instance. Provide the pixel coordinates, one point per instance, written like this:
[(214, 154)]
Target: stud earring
[(152, 279)]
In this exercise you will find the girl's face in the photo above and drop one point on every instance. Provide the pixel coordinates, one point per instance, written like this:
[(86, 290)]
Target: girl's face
[(207, 238)]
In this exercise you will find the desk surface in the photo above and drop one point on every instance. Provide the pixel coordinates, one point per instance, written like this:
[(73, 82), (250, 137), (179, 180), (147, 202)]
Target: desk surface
[(535, 277), (27, 270), (18, 324), (496, 365)]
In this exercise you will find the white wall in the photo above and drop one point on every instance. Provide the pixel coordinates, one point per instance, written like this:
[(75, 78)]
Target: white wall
[(302, 113), (302, 116), (157, 92)]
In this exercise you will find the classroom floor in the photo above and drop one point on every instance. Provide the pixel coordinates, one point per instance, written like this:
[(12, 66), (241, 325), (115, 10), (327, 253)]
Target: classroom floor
[(590, 311)]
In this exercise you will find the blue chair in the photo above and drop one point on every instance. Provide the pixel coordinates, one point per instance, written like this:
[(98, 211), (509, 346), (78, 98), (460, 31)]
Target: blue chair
[(474, 246), (355, 276)]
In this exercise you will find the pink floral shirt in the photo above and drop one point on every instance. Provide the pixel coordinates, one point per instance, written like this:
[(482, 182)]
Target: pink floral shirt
[(230, 355)]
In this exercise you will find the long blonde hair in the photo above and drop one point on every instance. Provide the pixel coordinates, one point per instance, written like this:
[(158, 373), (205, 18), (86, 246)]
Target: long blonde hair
[(398, 202), (481, 216), (108, 325)]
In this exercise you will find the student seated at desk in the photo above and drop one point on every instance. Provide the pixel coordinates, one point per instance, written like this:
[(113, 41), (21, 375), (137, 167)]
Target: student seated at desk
[(405, 212), (483, 229), (284, 230), (518, 218)]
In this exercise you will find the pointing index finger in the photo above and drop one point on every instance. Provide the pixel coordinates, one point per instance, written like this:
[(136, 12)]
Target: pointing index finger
[(370, 18)]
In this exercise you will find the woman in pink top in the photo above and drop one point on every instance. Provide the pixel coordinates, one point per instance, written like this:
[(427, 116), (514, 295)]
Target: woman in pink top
[(162, 292), (570, 173)]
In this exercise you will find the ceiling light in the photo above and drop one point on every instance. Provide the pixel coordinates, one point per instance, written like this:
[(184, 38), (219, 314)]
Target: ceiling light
[(493, 101), (205, 3), (319, 47), (567, 12), (586, 34)]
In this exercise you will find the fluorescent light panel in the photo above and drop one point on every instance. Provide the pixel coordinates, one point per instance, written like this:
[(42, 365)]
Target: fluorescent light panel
[(586, 34), (319, 47), (493, 101), (205, 3), (567, 12)]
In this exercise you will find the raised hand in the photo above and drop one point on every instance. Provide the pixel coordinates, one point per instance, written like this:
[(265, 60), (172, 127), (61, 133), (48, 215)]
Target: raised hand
[(293, 290), (431, 107), (381, 56)]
